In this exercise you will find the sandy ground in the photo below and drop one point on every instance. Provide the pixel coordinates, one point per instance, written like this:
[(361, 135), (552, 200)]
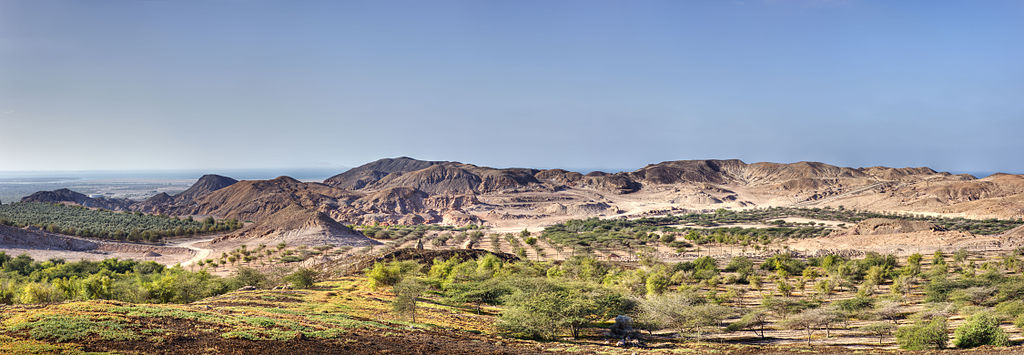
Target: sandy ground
[(99, 254), (43, 246)]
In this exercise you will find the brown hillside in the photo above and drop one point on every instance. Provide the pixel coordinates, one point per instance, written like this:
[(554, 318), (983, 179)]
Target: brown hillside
[(295, 225), (258, 199)]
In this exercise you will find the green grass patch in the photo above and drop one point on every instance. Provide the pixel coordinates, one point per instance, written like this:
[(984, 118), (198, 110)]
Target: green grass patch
[(63, 328)]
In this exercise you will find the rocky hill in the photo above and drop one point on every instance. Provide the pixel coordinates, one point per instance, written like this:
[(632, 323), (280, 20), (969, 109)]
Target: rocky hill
[(165, 203), (361, 176), (68, 196), (204, 186), (409, 191), (298, 226), (253, 200)]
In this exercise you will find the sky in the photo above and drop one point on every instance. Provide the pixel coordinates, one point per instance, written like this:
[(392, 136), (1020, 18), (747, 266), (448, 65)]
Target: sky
[(590, 84)]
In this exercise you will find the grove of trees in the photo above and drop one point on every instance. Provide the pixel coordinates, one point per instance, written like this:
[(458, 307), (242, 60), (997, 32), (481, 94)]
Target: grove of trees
[(104, 224)]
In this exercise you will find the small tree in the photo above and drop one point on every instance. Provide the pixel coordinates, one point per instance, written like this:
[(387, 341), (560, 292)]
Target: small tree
[(808, 321), (781, 306), (755, 320), (683, 311), (891, 311), (879, 329), (825, 288), (784, 288), (389, 274), (406, 293), (246, 276)]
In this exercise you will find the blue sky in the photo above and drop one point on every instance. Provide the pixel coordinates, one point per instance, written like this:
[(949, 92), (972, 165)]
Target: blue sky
[(226, 84)]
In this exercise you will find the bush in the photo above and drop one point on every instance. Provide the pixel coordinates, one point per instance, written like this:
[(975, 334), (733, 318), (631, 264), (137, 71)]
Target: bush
[(980, 329), (246, 276), (923, 335), (389, 274), (38, 293), (301, 278)]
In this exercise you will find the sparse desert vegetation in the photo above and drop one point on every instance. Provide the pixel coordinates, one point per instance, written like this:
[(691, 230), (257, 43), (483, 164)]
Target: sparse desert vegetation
[(745, 280)]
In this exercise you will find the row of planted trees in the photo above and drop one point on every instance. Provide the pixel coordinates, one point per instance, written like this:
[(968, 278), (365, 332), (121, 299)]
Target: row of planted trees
[(104, 224)]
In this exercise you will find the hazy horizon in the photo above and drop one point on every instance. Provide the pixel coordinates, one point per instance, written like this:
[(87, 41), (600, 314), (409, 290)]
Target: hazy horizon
[(581, 85), (315, 173)]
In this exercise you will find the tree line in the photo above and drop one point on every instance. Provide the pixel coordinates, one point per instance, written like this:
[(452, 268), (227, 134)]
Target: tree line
[(105, 224)]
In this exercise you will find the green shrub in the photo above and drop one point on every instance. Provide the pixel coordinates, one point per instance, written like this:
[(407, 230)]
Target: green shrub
[(923, 335), (980, 329), (246, 276), (855, 304), (389, 274), (301, 278)]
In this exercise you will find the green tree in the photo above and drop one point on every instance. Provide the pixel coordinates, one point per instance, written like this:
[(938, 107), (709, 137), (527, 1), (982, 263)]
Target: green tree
[(533, 311), (246, 276), (406, 293), (879, 329), (980, 329)]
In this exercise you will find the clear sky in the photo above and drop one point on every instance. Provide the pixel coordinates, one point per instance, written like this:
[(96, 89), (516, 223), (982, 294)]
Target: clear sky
[(584, 84)]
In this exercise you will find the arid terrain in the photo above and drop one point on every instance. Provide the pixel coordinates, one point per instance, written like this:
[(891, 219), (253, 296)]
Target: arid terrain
[(405, 191), (649, 221)]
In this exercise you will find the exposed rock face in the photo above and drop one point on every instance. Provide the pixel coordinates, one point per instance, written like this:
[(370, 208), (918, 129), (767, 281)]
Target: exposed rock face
[(559, 176), (398, 200), (693, 171), (299, 226), (457, 178)]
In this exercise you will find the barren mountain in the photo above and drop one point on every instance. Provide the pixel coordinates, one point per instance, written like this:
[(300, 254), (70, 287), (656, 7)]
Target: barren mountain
[(163, 202), (257, 199), (204, 186), (408, 191), (298, 226)]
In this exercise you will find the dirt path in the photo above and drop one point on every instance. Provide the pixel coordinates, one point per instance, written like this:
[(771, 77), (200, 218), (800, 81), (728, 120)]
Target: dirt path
[(201, 253)]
